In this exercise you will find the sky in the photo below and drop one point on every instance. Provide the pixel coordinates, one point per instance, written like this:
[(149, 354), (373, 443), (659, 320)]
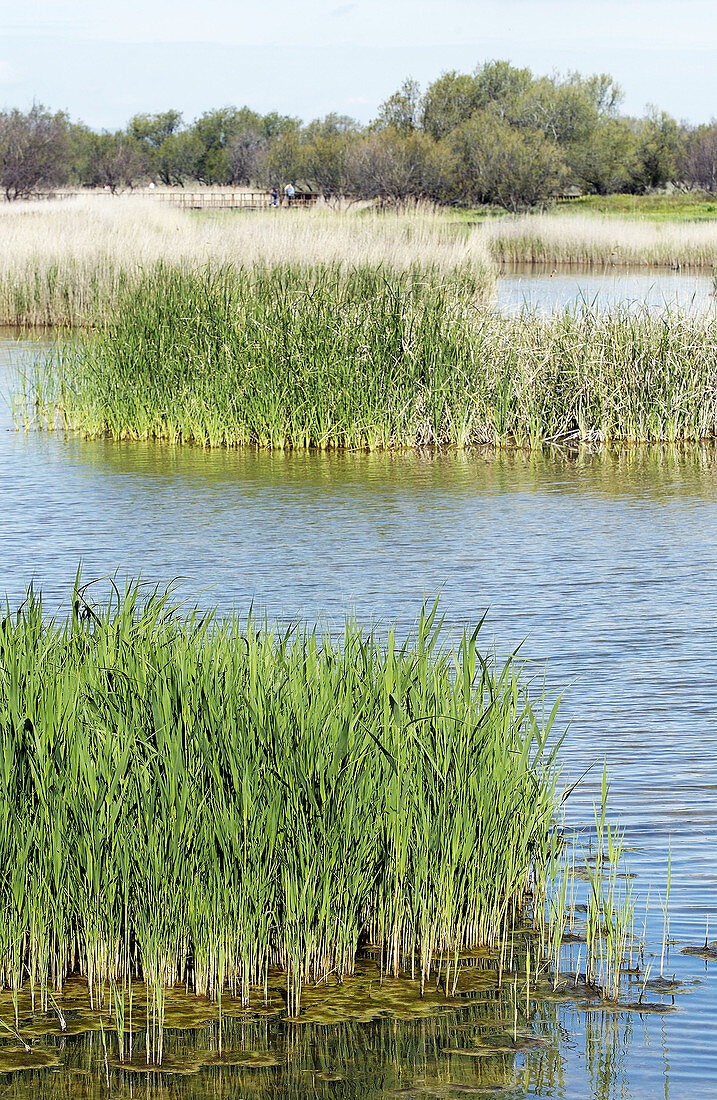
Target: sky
[(104, 61)]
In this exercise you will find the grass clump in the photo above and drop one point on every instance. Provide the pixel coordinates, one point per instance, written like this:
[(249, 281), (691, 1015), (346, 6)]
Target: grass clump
[(576, 237), (64, 263), (200, 801), (293, 357)]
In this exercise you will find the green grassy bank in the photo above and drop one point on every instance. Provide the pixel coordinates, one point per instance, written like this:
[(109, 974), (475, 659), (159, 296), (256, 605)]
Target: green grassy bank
[(370, 358), (680, 206), (188, 800)]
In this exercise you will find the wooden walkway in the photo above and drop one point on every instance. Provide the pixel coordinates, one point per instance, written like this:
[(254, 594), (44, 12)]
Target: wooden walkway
[(230, 200)]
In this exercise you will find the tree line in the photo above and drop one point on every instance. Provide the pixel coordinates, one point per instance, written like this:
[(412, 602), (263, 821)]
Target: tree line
[(500, 135)]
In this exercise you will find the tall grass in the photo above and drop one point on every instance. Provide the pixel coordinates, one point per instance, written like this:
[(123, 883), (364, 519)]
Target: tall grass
[(600, 239), (66, 262), (371, 359), (200, 801)]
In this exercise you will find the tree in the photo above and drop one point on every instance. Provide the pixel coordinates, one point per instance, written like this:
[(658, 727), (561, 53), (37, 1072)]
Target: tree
[(34, 151), (274, 124), (177, 158), (499, 85), (284, 159), (152, 131), (608, 161), (402, 110), (244, 156), (391, 165), (700, 163), (109, 160), (661, 145), (448, 102), (326, 145), (499, 163), (229, 139), (167, 150), (563, 111)]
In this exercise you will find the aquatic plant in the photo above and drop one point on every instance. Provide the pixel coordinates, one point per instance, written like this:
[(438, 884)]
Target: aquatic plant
[(579, 238), (199, 801), (328, 358), (64, 263)]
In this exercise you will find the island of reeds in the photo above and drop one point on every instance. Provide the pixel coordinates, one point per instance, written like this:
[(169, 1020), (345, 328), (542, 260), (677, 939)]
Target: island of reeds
[(367, 359), (350, 329), (218, 803)]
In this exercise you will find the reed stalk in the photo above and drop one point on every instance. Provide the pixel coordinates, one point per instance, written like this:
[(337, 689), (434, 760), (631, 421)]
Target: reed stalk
[(292, 357), (192, 801)]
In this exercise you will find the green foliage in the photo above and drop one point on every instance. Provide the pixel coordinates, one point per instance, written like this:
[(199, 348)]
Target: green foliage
[(106, 160), (325, 155), (396, 166), (416, 147), (401, 111), (170, 153), (510, 166), (499, 84), (366, 358), (220, 134), (609, 160), (187, 800), (509, 138), (153, 130), (448, 102), (660, 149), (34, 151)]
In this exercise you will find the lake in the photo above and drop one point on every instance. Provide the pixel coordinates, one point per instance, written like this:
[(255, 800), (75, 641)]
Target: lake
[(544, 288), (601, 563)]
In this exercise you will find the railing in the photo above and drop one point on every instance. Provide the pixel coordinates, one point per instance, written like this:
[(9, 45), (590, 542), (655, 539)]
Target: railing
[(190, 200), (230, 200)]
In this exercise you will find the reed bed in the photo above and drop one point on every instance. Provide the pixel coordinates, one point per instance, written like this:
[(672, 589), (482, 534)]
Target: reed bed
[(327, 358), (595, 239), (190, 800), (66, 262)]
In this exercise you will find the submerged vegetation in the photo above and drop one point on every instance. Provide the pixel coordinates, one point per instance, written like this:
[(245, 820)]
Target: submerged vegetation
[(185, 800), (367, 358)]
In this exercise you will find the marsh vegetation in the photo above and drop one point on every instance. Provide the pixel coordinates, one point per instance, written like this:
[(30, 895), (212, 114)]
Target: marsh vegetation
[(578, 238), (65, 263), (201, 802), (322, 357)]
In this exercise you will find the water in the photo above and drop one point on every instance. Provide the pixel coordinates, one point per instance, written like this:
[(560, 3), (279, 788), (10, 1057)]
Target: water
[(546, 288), (603, 564)]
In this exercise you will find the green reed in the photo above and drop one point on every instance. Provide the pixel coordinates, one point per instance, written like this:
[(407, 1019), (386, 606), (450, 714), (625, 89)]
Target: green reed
[(321, 357), (187, 800)]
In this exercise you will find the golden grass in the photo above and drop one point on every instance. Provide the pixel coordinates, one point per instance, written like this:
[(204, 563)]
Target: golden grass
[(600, 239), (60, 261)]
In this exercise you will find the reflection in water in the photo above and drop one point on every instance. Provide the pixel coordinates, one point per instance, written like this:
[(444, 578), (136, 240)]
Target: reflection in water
[(604, 562), (576, 1056)]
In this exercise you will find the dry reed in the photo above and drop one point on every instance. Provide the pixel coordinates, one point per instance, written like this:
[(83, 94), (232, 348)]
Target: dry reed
[(594, 239), (65, 262)]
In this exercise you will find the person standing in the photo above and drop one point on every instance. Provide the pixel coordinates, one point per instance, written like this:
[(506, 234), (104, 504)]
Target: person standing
[(289, 191)]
